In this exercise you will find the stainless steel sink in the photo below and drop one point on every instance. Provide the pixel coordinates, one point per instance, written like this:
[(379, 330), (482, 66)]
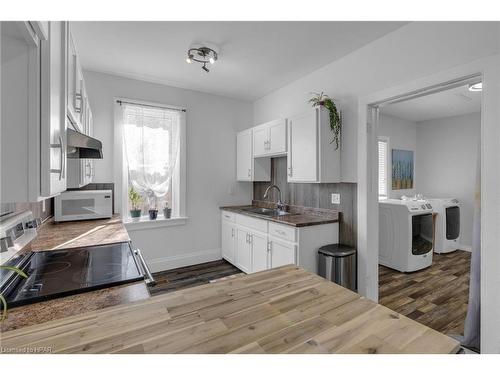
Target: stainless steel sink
[(266, 211)]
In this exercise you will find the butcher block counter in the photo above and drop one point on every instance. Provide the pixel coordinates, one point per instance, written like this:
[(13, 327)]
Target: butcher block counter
[(283, 310)]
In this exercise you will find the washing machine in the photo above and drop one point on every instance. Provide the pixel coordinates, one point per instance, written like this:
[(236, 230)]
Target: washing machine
[(447, 236), (405, 234)]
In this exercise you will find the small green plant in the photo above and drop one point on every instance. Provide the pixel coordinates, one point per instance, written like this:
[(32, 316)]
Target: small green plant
[(2, 298), (135, 198), (335, 119)]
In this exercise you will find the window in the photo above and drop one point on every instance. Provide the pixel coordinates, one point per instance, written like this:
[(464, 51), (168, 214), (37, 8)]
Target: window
[(383, 166), (152, 149)]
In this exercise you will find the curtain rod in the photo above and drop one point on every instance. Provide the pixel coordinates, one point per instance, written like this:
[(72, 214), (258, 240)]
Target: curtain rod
[(152, 106)]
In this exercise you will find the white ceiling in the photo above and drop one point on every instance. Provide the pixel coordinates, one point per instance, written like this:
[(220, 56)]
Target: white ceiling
[(255, 57), (454, 102)]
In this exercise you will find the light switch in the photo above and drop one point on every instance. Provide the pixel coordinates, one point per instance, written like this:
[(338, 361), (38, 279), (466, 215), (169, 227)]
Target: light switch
[(335, 198)]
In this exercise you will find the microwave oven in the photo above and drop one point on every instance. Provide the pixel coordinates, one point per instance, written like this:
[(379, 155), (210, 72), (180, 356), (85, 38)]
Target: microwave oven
[(83, 205)]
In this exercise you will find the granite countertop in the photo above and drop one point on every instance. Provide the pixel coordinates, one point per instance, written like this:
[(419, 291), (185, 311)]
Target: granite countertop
[(71, 234), (299, 216), (53, 236)]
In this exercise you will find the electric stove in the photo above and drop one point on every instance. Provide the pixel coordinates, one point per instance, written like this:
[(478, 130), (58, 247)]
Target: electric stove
[(58, 273)]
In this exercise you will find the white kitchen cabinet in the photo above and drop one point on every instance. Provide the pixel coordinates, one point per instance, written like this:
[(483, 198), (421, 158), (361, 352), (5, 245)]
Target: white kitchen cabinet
[(269, 139), (228, 240), (262, 244), (248, 168), (243, 251), (281, 253), (33, 116), (81, 171), (311, 155), (260, 251), (53, 110)]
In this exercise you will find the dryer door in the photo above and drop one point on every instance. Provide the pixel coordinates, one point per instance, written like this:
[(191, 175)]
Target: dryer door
[(422, 227), (452, 222)]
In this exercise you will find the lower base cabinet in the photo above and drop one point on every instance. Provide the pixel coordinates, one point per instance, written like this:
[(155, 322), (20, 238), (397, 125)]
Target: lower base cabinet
[(282, 253), (255, 245), (228, 241)]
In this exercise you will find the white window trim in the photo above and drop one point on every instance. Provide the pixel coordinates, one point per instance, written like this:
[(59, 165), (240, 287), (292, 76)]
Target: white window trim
[(120, 174), (388, 166)]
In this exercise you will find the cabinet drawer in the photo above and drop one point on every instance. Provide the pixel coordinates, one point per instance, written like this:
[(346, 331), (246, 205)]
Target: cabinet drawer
[(228, 216), (283, 231), (250, 222)]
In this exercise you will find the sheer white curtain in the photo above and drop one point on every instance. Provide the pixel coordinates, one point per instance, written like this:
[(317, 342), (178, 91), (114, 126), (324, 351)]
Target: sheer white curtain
[(151, 149)]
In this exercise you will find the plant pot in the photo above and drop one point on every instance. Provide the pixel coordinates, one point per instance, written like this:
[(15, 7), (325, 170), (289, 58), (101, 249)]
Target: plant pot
[(135, 214), (167, 212), (153, 214)]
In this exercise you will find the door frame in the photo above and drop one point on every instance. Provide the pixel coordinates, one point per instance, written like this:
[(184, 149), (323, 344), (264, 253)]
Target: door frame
[(489, 69)]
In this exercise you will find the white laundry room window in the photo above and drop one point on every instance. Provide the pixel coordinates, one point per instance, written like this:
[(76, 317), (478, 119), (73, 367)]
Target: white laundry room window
[(383, 166), (153, 149)]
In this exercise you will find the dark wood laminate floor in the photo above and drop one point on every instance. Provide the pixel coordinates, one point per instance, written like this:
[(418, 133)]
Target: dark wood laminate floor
[(436, 297), (186, 277)]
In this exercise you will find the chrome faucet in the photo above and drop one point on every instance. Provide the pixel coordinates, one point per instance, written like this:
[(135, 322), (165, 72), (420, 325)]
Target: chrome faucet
[(280, 205)]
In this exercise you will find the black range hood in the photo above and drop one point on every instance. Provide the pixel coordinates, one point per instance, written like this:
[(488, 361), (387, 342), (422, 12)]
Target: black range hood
[(81, 146)]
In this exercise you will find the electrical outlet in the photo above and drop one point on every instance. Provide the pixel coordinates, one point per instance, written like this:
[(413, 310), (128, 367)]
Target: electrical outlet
[(335, 198)]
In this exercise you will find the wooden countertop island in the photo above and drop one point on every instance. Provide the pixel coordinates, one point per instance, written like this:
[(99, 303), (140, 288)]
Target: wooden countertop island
[(284, 310)]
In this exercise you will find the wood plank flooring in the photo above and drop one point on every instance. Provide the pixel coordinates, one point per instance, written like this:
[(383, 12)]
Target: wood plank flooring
[(436, 297), (186, 277)]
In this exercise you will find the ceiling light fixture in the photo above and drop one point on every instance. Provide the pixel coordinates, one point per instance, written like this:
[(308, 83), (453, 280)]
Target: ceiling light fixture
[(203, 55), (476, 86)]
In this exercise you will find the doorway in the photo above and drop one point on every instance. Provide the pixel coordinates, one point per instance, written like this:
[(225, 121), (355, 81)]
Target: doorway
[(428, 159)]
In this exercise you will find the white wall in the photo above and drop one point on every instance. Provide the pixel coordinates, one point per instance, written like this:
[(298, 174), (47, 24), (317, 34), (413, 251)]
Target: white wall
[(447, 157), (402, 135), (411, 52), (212, 123)]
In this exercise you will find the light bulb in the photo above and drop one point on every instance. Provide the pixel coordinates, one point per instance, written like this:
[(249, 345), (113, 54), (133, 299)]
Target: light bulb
[(188, 60), (212, 60)]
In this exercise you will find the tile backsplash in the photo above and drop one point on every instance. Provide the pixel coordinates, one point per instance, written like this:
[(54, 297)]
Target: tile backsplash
[(313, 195), (43, 209)]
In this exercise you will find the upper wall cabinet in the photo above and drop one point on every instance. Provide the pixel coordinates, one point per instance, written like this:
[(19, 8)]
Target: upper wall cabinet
[(75, 88), (33, 142), (311, 155), (53, 110), (269, 139), (248, 168)]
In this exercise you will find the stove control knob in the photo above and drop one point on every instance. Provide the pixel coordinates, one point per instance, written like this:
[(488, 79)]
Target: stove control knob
[(35, 223), (5, 243)]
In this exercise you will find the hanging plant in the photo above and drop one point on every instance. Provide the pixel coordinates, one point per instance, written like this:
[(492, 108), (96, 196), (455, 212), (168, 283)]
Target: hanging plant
[(335, 119)]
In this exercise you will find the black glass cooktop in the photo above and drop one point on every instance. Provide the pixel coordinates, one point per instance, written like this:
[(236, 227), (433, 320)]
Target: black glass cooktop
[(58, 273)]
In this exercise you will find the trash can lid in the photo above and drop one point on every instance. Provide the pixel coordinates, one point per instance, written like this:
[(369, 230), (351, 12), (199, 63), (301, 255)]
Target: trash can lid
[(337, 250)]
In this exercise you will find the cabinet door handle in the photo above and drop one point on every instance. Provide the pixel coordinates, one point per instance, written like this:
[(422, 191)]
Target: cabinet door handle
[(269, 144), (59, 145), (232, 232), (78, 99), (250, 238), (290, 171), (269, 246), (249, 172), (279, 231)]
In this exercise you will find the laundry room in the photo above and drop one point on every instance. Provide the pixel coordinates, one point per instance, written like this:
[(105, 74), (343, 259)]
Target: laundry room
[(429, 183)]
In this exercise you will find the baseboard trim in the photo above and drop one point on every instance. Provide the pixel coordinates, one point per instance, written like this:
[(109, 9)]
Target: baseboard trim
[(183, 260), (465, 248)]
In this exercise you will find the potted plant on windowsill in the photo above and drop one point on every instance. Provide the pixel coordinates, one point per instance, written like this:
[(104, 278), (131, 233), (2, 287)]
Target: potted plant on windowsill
[(135, 200), (335, 118), (167, 211)]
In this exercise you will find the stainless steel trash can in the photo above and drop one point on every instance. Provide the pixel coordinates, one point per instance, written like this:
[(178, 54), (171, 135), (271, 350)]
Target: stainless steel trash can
[(337, 263)]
